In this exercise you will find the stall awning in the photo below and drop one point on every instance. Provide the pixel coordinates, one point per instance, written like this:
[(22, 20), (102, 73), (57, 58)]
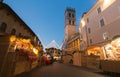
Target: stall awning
[(94, 50), (115, 37)]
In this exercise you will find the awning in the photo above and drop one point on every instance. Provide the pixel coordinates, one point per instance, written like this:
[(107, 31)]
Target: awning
[(93, 50), (116, 37)]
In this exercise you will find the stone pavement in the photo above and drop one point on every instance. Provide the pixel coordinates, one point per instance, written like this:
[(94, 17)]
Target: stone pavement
[(61, 70)]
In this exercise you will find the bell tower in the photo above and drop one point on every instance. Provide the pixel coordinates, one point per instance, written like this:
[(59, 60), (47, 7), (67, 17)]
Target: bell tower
[(70, 22)]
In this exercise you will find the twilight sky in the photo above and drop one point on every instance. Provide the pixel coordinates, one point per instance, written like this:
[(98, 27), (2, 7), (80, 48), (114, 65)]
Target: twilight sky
[(46, 17)]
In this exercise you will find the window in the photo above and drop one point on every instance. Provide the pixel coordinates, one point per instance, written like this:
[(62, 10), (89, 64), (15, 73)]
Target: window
[(102, 22), (69, 14), (73, 15), (73, 22), (3, 27), (90, 40), (69, 21), (87, 20), (105, 36), (99, 10), (13, 31), (89, 30)]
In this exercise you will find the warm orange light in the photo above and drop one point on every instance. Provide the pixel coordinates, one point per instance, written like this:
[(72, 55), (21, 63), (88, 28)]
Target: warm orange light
[(35, 51), (12, 38)]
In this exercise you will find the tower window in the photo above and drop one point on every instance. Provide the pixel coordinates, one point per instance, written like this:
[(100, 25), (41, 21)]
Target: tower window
[(3, 27), (73, 22), (69, 14), (73, 15), (69, 21)]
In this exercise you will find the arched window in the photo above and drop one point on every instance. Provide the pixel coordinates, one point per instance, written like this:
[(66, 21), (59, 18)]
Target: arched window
[(3, 27), (69, 14), (73, 15), (13, 31)]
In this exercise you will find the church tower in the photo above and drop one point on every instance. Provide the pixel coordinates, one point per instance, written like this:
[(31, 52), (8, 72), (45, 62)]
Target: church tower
[(70, 22)]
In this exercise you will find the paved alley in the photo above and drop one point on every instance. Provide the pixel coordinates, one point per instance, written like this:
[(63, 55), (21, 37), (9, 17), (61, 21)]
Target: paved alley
[(60, 70)]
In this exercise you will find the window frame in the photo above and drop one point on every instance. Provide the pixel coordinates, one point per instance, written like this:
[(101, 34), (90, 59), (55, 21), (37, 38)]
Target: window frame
[(102, 22), (3, 27), (99, 10)]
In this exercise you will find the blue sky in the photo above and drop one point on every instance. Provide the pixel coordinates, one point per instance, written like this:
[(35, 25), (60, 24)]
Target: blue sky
[(46, 17)]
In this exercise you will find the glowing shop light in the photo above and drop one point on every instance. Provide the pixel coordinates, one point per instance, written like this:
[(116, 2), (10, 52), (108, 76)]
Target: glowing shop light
[(12, 38), (35, 51)]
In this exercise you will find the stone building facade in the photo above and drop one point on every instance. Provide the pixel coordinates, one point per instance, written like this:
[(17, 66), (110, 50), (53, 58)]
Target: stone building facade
[(99, 30), (12, 25)]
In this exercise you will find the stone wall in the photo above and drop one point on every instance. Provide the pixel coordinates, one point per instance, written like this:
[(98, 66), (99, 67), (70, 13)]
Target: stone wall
[(8, 65), (67, 58), (21, 65), (83, 60), (6, 59), (110, 66), (77, 59)]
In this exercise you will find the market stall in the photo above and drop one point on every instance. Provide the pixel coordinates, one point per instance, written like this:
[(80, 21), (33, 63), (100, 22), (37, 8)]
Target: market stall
[(93, 56), (111, 56), (26, 54)]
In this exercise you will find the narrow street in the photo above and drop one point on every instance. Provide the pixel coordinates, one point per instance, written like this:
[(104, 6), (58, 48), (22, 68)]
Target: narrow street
[(61, 70)]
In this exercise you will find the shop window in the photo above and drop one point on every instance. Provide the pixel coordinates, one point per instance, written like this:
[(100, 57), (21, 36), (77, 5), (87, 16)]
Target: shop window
[(3, 27), (102, 23), (99, 10), (13, 32)]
